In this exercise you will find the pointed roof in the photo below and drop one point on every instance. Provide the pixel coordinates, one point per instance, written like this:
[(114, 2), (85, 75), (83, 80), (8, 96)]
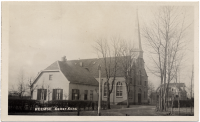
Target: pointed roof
[(73, 73), (92, 66), (77, 74), (177, 85), (53, 66), (137, 38)]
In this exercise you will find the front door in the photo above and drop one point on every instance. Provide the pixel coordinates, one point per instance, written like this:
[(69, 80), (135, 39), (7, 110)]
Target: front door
[(139, 98)]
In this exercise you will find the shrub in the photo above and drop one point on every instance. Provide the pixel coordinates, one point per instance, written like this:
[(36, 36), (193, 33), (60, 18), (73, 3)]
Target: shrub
[(183, 103)]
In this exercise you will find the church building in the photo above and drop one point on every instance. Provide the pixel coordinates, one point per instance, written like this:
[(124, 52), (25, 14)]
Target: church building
[(78, 79)]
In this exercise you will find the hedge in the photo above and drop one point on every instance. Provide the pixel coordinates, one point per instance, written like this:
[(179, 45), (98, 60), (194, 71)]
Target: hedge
[(22, 105), (183, 103)]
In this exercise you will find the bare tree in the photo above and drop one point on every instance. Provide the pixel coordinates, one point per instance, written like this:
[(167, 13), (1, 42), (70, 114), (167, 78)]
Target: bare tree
[(66, 95), (126, 64), (165, 37), (49, 91), (12, 91), (109, 54), (151, 89), (31, 86), (21, 84)]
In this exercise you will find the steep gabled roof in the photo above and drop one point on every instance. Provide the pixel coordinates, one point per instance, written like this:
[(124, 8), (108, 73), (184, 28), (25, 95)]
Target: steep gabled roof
[(53, 66), (177, 85), (74, 74), (77, 74), (92, 66)]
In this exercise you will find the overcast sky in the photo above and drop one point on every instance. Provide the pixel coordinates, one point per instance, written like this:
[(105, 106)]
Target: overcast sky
[(41, 33)]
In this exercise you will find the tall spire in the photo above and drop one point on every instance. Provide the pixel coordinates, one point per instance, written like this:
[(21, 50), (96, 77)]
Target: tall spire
[(137, 36)]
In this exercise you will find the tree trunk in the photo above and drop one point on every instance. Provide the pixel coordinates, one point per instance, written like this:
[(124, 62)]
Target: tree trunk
[(161, 100), (164, 101), (31, 94), (172, 107), (127, 96), (108, 101), (108, 96)]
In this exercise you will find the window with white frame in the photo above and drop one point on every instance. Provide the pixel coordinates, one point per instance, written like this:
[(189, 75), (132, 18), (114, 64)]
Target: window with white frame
[(105, 89), (50, 77), (57, 94), (41, 94), (119, 89), (75, 94)]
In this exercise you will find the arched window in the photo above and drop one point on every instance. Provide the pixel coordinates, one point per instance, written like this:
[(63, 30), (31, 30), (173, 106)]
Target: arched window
[(119, 89), (105, 89), (140, 78)]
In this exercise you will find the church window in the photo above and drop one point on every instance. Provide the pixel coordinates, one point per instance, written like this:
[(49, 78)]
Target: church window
[(140, 78), (105, 89), (119, 89)]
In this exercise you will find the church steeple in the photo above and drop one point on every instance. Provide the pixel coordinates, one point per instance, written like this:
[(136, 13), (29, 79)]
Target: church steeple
[(137, 37)]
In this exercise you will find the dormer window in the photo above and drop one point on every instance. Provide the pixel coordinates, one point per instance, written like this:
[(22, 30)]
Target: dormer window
[(50, 77)]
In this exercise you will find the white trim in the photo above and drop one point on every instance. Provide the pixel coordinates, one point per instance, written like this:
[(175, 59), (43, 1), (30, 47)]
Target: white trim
[(50, 70), (34, 81)]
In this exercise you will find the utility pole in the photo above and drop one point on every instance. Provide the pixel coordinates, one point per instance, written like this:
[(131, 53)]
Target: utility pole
[(99, 102)]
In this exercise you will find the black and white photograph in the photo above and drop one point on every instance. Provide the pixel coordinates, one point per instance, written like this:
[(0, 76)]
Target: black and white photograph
[(100, 59)]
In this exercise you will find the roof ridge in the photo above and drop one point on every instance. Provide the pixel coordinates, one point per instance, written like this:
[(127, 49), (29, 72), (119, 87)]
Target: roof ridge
[(95, 58)]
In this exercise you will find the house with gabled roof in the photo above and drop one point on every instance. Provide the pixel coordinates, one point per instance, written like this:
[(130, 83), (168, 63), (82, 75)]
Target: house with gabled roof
[(175, 91), (63, 80)]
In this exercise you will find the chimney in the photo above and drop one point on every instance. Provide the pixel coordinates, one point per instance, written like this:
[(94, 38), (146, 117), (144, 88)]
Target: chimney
[(81, 64), (63, 59)]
